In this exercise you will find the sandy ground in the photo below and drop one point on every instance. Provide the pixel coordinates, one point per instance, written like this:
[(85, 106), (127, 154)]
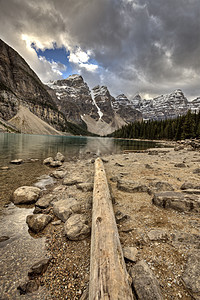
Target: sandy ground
[(68, 273)]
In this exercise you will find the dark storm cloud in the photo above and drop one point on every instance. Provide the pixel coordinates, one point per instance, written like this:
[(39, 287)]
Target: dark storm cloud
[(148, 46)]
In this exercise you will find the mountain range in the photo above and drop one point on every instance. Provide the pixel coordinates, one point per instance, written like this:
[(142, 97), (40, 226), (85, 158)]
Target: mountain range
[(68, 106)]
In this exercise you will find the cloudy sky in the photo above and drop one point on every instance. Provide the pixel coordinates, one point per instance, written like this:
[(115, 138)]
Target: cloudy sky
[(146, 46)]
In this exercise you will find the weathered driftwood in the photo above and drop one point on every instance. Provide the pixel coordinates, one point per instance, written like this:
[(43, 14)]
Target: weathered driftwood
[(108, 276)]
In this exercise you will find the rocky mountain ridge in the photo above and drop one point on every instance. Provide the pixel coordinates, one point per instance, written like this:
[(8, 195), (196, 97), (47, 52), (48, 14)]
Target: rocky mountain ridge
[(69, 105), (95, 109), (165, 106), (20, 86)]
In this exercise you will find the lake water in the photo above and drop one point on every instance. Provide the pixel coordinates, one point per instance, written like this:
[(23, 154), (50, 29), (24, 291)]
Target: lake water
[(24, 146), (21, 250)]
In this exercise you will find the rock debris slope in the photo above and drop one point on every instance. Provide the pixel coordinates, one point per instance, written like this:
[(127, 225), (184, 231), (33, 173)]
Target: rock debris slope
[(26, 122)]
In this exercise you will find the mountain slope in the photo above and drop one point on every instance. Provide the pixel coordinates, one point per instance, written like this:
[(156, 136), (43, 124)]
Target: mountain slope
[(93, 108), (17, 78), (26, 122), (19, 85)]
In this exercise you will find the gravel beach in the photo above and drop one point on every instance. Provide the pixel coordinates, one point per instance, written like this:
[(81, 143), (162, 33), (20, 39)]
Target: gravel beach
[(164, 233)]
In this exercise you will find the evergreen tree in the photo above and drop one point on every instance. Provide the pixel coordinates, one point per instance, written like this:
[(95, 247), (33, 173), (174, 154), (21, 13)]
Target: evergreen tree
[(188, 126)]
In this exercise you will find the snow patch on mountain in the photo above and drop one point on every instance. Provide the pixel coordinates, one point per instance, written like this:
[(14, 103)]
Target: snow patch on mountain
[(98, 109)]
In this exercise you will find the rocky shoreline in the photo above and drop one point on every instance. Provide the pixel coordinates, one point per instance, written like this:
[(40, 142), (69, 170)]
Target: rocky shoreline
[(156, 197)]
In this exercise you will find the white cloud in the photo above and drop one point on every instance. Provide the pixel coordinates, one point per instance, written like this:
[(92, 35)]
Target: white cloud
[(79, 56), (81, 59), (89, 67), (53, 69), (129, 45)]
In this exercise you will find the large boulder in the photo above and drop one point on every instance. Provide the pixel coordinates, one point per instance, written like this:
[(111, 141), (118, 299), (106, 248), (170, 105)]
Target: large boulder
[(38, 222), (64, 208), (26, 195), (76, 227), (60, 157), (191, 275), (177, 201), (145, 283), (131, 186)]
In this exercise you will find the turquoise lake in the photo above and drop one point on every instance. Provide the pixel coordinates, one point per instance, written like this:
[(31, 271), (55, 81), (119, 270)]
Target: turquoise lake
[(25, 146)]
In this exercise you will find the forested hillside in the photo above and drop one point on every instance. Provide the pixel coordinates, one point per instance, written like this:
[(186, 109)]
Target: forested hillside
[(183, 127)]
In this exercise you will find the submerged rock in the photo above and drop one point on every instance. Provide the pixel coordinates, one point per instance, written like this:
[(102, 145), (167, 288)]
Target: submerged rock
[(38, 222), (27, 287), (76, 227), (26, 195), (44, 181), (4, 168), (39, 268), (16, 161)]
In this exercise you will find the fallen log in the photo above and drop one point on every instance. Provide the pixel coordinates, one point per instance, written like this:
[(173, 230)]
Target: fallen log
[(108, 276), (135, 151)]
